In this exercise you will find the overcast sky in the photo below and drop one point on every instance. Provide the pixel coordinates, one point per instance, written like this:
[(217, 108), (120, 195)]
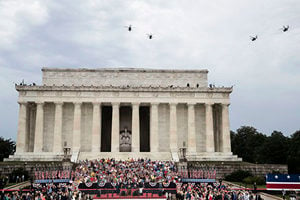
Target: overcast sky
[(211, 35)]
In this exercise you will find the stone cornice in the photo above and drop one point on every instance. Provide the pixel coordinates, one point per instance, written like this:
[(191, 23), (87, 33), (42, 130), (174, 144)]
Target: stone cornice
[(133, 70), (124, 89)]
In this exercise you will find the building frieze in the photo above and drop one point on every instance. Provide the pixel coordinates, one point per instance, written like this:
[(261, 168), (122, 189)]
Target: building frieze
[(119, 92), (91, 88)]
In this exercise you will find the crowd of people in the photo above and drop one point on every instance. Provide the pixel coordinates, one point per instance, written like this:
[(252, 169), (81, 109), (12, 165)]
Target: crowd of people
[(48, 192), (127, 173), (213, 191)]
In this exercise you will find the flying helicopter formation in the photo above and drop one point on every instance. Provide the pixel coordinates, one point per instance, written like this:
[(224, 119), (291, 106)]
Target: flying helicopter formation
[(130, 28), (284, 29)]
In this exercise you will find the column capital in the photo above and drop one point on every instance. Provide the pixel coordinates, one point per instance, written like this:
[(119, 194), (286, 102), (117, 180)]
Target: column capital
[(225, 104), (173, 104), (96, 103), (77, 103), (154, 103), (22, 102), (60, 103), (209, 104), (114, 104), (191, 104), (135, 104), (39, 102)]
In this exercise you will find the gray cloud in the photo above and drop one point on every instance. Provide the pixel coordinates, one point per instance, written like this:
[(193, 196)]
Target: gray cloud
[(187, 34)]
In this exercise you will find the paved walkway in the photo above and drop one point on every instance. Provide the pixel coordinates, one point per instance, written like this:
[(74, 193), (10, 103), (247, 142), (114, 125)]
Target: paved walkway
[(269, 197), (265, 196)]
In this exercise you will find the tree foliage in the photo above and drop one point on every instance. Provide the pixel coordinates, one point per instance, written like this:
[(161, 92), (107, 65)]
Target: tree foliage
[(294, 153), (275, 149), (7, 147), (256, 147), (247, 143)]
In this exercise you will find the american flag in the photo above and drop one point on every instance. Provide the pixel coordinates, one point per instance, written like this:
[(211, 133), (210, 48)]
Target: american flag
[(283, 182)]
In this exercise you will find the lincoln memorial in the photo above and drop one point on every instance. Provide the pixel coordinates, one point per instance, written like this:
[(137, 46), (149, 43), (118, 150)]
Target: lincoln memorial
[(122, 113)]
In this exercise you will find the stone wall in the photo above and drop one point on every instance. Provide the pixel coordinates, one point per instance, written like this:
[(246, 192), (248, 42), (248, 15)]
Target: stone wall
[(8, 167), (124, 77), (222, 168), (225, 168)]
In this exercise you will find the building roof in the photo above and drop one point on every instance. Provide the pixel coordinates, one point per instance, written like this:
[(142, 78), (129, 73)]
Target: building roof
[(112, 69)]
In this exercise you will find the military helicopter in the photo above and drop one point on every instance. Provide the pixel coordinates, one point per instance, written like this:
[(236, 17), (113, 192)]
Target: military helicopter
[(285, 28), (129, 28), (150, 36), (253, 38)]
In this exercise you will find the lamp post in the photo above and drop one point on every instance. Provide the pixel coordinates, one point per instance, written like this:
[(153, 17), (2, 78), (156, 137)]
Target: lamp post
[(66, 154), (182, 153)]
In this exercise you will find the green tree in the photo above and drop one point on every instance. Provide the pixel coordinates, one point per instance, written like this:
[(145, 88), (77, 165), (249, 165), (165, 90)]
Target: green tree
[(247, 144), (294, 153), (275, 149), (7, 147)]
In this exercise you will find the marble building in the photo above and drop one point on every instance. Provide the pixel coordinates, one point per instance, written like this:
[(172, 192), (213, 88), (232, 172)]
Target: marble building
[(122, 113)]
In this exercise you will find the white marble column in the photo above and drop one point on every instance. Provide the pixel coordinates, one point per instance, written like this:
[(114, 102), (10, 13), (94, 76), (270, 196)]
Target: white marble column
[(210, 144), (57, 141), (39, 126), (115, 129), (191, 129), (96, 129), (154, 128), (225, 129), (135, 147), (77, 127), (173, 128), (22, 133)]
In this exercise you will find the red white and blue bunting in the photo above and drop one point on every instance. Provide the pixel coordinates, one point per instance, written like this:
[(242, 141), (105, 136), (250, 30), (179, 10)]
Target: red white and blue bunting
[(152, 184), (166, 184), (113, 184), (89, 184), (101, 184)]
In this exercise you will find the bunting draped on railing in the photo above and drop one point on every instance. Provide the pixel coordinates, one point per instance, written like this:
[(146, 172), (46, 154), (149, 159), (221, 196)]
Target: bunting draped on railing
[(56, 174), (197, 173)]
